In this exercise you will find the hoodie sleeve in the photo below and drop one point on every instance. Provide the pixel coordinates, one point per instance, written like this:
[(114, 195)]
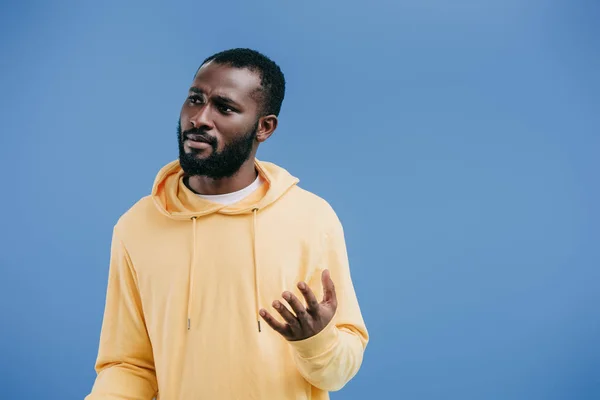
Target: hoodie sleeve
[(332, 357), (125, 364)]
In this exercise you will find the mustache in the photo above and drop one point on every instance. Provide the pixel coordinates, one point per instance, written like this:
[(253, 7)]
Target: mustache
[(200, 136)]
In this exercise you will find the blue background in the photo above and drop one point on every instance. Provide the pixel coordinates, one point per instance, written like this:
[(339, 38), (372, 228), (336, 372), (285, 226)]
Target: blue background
[(459, 143)]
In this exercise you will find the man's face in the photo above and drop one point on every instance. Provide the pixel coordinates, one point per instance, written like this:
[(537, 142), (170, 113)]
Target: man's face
[(218, 122)]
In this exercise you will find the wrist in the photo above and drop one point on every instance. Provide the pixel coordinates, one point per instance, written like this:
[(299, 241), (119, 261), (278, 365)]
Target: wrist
[(317, 344)]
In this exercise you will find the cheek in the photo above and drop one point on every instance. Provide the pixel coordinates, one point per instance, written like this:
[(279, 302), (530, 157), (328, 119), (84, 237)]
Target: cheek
[(185, 116), (234, 126), (223, 142), (184, 122), (226, 132), (228, 129)]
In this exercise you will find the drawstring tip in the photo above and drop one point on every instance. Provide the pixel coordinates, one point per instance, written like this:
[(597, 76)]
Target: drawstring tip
[(258, 325), (188, 325)]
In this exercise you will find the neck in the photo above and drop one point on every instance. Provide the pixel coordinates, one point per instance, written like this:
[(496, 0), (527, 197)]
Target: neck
[(204, 185)]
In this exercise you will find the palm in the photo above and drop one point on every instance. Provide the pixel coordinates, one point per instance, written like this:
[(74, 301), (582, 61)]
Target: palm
[(307, 321)]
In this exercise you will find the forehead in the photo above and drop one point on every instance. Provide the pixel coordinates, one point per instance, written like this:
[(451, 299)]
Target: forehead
[(240, 84)]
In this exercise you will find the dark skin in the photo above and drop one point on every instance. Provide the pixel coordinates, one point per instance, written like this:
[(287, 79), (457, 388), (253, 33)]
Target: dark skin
[(225, 102), (305, 321)]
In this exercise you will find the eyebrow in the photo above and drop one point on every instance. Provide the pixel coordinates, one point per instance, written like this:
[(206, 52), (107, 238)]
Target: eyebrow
[(221, 98)]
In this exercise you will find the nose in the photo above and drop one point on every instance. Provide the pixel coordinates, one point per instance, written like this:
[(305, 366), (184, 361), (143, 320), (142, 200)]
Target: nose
[(201, 118)]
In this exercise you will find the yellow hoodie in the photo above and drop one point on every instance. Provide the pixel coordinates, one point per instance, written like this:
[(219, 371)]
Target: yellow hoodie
[(187, 278)]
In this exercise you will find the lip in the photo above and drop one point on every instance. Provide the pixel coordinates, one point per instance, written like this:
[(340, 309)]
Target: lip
[(196, 138), (197, 144), (197, 141)]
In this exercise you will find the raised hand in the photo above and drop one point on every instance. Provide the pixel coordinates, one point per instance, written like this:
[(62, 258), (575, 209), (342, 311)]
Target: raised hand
[(306, 321)]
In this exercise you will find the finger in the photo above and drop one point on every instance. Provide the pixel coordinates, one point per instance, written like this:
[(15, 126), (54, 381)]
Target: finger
[(297, 306), (273, 323), (311, 301), (285, 313), (329, 295)]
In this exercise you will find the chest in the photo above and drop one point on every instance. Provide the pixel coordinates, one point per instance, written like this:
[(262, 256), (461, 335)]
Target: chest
[(223, 262)]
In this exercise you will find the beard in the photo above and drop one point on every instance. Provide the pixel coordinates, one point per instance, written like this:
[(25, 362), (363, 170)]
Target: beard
[(217, 165)]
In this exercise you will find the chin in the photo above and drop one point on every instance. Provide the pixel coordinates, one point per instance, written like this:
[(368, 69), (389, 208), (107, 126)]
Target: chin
[(198, 154)]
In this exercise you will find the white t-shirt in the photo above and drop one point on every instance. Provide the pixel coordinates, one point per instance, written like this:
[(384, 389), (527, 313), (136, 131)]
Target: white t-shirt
[(234, 197)]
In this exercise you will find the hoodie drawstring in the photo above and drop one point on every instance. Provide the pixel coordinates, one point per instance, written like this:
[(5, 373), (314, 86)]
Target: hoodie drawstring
[(255, 266), (192, 267)]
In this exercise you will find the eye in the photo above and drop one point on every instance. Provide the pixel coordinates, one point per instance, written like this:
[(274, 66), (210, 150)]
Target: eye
[(194, 99), (225, 109)]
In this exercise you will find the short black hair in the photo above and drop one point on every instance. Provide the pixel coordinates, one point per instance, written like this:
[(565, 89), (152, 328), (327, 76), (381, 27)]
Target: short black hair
[(272, 79)]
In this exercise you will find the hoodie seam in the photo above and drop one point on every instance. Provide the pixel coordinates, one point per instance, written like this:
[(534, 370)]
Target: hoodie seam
[(135, 276)]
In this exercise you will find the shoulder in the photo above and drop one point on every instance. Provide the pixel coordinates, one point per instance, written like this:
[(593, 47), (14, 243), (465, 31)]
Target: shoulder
[(136, 217), (315, 207)]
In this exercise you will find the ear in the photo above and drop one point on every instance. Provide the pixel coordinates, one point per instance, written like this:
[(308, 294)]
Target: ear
[(266, 127)]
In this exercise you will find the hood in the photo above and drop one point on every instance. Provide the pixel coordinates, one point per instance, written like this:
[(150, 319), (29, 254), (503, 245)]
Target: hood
[(173, 199)]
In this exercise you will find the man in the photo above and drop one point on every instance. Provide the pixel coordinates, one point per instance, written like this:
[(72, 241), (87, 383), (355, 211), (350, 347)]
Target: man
[(223, 242)]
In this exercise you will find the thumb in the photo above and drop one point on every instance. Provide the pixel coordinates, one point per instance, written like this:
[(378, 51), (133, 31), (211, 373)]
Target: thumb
[(328, 287)]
